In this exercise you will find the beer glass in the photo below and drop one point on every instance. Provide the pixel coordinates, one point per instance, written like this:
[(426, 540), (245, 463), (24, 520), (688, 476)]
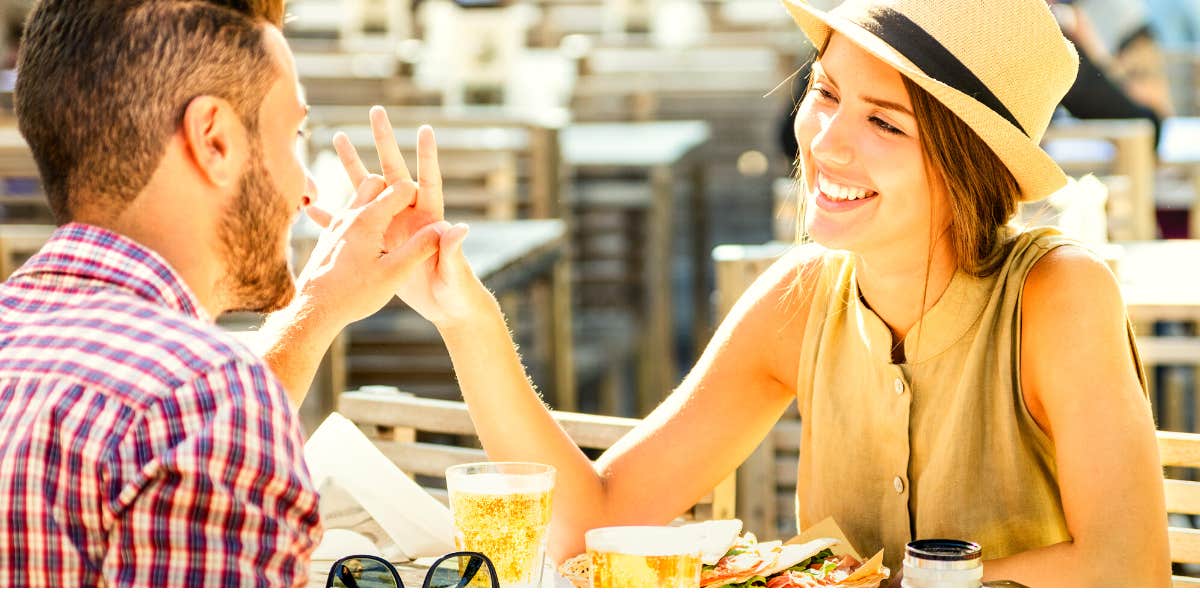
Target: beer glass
[(502, 510), (644, 557)]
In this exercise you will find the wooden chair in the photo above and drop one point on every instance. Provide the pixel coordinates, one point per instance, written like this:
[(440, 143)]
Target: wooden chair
[(1182, 450), (419, 436)]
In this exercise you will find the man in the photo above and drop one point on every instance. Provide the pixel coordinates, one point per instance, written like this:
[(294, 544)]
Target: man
[(139, 444)]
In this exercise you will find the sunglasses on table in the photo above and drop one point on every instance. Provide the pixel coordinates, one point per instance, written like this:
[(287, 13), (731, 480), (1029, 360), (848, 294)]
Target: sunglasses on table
[(453, 570)]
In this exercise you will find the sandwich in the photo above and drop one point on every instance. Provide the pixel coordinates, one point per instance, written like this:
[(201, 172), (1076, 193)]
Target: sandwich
[(751, 564), (735, 560)]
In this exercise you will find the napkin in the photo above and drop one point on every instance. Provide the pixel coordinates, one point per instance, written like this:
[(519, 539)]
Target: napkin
[(364, 493)]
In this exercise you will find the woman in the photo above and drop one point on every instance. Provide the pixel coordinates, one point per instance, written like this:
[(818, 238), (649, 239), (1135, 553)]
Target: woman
[(955, 378)]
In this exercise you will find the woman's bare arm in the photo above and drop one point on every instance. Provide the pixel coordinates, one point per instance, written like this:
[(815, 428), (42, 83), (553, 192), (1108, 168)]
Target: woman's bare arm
[(1080, 384), (701, 433)]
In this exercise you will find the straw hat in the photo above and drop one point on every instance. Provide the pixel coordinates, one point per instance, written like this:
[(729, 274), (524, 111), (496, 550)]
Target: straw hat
[(1000, 65)]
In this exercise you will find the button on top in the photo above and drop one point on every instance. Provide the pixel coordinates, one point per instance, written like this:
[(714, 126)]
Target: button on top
[(899, 386), (899, 484)]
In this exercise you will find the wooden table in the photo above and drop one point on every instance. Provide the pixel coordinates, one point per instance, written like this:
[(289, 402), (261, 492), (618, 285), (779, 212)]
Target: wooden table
[(526, 257), (1158, 280), (661, 152)]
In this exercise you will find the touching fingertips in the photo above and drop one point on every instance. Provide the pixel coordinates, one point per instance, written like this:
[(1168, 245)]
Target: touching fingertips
[(373, 184)]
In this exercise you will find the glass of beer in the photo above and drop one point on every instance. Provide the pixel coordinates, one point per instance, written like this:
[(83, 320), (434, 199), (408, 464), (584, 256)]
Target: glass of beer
[(502, 510), (644, 557)]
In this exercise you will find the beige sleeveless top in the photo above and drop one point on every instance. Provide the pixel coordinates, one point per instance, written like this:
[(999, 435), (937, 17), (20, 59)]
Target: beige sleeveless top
[(940, 447)]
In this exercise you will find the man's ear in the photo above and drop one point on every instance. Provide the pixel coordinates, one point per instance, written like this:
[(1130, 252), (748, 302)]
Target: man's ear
[(214, 139)]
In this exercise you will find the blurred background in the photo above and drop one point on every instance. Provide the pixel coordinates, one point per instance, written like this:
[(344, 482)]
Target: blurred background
[(626, 167)]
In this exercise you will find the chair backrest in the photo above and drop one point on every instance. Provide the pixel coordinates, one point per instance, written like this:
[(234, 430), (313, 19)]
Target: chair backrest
[(1182, 450), (423, 437)]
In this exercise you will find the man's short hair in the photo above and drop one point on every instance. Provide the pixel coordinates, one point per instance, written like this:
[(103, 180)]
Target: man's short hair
[(103, 84)]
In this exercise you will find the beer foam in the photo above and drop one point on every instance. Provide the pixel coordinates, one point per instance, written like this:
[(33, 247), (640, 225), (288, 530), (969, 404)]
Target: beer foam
[(643, 540), (494, 483)]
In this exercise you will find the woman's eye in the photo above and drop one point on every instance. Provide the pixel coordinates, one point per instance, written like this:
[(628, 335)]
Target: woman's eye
[(824, 93), (882, 124)]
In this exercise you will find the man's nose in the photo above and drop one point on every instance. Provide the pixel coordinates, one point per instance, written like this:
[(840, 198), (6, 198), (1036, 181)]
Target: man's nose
[(310, 189)]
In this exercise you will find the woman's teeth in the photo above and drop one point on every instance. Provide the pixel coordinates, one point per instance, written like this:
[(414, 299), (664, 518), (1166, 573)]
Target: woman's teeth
[(835, 191)]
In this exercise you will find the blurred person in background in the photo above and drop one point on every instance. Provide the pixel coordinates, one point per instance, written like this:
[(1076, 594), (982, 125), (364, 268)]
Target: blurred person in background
[(1118, 37)]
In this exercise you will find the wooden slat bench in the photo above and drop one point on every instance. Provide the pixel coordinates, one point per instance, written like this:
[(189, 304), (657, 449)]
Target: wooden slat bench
[(413, 433)]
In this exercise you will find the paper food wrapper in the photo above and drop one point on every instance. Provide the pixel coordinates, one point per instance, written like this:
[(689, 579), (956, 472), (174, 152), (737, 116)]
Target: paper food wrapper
[(366, 501), (871, 573)]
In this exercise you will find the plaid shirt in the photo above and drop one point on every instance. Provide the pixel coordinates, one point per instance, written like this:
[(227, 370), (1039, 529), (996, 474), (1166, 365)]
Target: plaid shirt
[(140, 445)]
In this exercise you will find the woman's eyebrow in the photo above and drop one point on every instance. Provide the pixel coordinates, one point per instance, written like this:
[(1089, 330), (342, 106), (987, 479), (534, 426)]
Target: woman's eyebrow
[(888, 104)]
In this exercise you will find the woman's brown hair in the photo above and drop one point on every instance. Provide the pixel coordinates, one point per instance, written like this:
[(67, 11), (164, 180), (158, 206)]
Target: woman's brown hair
[(982, 192)]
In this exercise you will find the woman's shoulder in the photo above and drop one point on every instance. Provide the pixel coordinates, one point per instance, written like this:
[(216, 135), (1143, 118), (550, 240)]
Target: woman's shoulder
[(1064, 270), (1071, 283)]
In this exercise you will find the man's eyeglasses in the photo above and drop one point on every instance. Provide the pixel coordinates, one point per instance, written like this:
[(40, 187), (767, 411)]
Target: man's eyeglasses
[(453, 570)]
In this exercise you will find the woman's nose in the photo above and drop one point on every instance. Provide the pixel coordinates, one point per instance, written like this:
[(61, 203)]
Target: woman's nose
[(832, 143)]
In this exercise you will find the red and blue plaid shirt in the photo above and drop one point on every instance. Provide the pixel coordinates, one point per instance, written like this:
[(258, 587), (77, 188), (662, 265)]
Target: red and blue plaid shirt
[(140, 445)]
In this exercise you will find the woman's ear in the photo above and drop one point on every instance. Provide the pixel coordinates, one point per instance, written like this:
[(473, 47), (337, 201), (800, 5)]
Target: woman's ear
[(214, 138)]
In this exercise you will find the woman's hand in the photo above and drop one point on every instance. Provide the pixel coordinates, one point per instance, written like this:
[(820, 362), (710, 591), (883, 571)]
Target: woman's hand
[(356, 263), (444, 289)]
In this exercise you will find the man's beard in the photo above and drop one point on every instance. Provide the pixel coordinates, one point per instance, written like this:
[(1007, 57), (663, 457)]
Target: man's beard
[(258, 277)]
